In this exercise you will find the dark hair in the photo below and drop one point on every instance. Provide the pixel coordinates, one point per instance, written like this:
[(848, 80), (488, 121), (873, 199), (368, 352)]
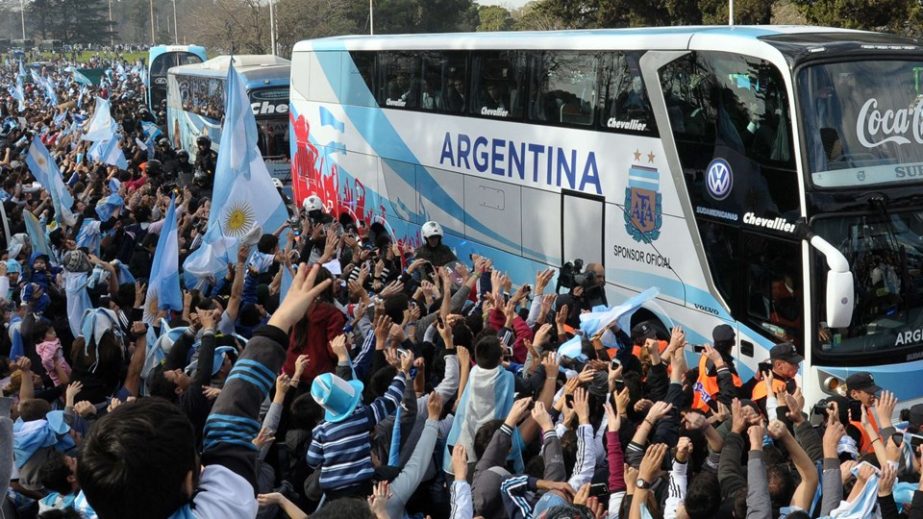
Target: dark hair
[(267, 243), (781, 484), (54, 473), (703, 496), (462, 336), (484, 435), (487, 352), (350, 508), (475, 323), (41, 328), (33, 409), (381, 379), (395, 306), (249, 315), (135, 459), (305, 412), (160, 386)]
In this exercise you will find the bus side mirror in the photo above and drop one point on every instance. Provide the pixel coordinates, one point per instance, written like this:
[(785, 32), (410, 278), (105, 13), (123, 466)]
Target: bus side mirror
[(840, 290)]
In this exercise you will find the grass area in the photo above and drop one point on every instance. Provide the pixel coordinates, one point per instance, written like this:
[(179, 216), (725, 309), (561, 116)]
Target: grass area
[(86, 55)]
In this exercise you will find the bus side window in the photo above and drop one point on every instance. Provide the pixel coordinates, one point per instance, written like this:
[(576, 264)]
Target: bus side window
[(498, 83), (626, 106), (399, 80), (444, 82), (563, 87)]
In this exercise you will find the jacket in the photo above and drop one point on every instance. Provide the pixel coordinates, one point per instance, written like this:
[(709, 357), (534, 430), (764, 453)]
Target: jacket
[(324, 322), (438, 256), (718, 387)]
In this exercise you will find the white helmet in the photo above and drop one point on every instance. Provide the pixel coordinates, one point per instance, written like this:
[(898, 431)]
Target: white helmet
[(312, 203), (431, 229)]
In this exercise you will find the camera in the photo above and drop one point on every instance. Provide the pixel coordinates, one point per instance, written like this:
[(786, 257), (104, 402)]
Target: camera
[(567, 278)]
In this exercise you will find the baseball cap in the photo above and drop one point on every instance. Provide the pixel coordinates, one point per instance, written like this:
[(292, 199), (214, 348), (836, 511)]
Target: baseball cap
[(722, 333), (916, 416), (785, 351), (862, 382), (642, 332)]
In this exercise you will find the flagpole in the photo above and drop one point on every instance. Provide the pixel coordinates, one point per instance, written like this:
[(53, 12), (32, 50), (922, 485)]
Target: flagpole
[(272, 28), (176, 28), (22, 14), (152, 22), (6, 224)]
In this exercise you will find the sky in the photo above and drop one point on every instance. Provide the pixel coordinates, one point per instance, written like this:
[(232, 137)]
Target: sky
[(509, 4)]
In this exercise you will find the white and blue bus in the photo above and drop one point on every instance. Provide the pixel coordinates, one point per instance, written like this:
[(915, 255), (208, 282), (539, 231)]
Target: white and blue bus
[(160, 58), (765, 177), (195, 105)]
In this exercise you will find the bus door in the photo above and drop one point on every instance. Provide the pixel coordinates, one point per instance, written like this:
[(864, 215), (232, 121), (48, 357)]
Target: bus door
[(583, 227), (730, 145)]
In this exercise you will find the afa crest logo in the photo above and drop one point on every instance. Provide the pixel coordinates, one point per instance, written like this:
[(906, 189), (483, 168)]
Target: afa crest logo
[(643, 204)]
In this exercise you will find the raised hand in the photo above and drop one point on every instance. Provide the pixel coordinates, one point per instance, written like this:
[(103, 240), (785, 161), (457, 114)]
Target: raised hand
[(582, 405), (659, 410), (518, 411), (613, 420), (541, 417), (683, 449), (652, 461), (459, 462), (301, 294), (434, 406)]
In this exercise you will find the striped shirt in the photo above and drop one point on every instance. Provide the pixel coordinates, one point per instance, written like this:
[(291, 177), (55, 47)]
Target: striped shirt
[(343, 450)]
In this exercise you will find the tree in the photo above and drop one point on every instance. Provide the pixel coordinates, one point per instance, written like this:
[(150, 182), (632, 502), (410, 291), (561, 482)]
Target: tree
[(231, 26), (531, 17), (415, 16), (40, 14), (81, 21), (305, 19), (858, 14), (746, 12), (494, 18)]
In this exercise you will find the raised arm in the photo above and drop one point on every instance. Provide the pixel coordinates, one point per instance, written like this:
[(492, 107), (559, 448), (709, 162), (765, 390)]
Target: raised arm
[(804, 493)]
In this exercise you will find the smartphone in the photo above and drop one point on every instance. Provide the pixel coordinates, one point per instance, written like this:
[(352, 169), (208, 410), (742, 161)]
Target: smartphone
[(764, 367), (569, 399), (619, 385), (916, 440), (855, 410), (599, 490), (698, 348)]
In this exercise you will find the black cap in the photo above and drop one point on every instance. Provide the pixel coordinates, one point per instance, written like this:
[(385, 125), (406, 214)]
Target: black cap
[(722, 333), (862, 382), (785, 351), (643, 331), (916, 416)]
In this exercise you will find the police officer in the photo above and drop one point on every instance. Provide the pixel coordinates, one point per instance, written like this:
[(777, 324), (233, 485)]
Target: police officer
[(205, 162), (165, 154), (718, 380), (433, 250), (184, 168), (785, 361), (862, 391)]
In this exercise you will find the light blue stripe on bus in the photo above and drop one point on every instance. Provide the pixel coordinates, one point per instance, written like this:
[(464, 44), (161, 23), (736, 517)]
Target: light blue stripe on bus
[(381, 135), (638, 172)]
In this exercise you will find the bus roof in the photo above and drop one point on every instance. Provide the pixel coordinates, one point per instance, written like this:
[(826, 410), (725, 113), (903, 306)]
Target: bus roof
[(157, 50), (256, 69), (634, 38)]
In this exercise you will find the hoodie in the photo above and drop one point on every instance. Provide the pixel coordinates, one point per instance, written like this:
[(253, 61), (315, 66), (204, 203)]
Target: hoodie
[(312, 336)]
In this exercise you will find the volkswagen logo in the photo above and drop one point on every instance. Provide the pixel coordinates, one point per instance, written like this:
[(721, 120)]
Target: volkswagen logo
[(718, 179)]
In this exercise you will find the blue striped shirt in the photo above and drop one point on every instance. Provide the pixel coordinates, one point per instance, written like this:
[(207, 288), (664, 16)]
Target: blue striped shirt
[(342, 450)]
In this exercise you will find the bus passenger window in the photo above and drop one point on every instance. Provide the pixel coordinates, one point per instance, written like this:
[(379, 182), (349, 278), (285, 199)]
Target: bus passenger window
[(443, 87), (563, 87), (399, 80), (498, 83), (627, 107)]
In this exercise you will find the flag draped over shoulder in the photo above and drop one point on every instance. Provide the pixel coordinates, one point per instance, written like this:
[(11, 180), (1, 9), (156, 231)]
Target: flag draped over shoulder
[(244, 196), (45, 170), (163, 290)]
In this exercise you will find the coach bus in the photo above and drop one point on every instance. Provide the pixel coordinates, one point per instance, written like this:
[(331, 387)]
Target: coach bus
[(160, 58), (195, 105), (764, 177)]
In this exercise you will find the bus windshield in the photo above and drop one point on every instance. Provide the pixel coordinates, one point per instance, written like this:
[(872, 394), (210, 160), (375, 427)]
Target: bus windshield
[(885, 250), (863, 121)]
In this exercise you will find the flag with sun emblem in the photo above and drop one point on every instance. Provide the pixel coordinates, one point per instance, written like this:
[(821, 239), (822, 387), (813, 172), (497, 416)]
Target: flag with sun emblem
[(244, 196), (163, 291), (45, 170)]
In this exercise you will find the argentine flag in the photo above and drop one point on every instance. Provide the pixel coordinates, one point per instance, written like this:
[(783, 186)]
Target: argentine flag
[(102, 127), (45, 170), (244, 196), (163, 291)]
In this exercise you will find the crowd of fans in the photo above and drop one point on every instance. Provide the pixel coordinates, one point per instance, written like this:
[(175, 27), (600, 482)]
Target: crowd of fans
[(382, 381)]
